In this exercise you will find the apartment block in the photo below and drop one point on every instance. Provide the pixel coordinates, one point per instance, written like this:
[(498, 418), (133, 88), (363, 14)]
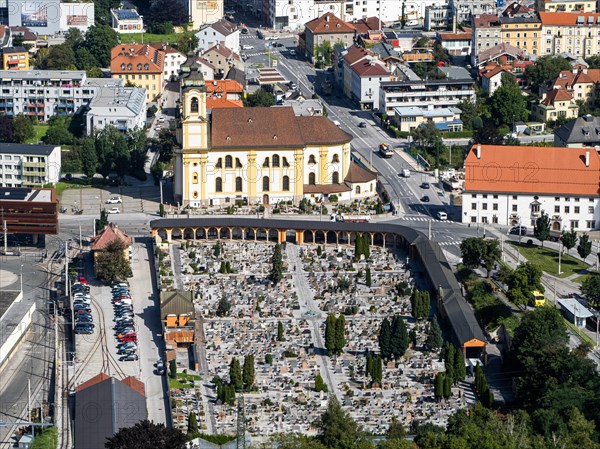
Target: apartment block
[(15, 58), (574, 33), (24, 165), (141, 65)]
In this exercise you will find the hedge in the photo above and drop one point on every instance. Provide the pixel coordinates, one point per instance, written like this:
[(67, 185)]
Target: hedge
[(457, 134)]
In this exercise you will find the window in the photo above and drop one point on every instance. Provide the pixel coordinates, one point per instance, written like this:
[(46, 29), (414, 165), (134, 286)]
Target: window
[(311, 179), (495, 197), (473, 195), (285, 162), (311, 159), (335, 159), (590, 209), (495, 206), (473, 206), (357, 190), (495, 219), (574, 224), (238, 164), (473, 219), (195, 194), (484, 206), (286, 184), (556, 209), (266, 162), (556, 198), (265, 183), (576, 209), (567, 209), (238, 184), (485, 195), (567, 199), (590, 224), (194, 178), (218, 185), (275, 160), (228, 161), (335, 178), (514, 207), (514, 197), (577, 200), (194, 105), (219, 163)]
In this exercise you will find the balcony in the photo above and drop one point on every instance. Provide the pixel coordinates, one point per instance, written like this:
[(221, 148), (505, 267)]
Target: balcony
[(34, 165)]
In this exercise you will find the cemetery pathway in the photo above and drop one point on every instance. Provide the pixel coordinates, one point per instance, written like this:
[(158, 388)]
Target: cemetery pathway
[(311, 312), (175, 254), (210, 420)]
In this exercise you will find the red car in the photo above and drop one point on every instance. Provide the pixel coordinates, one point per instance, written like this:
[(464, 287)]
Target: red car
[(82, 280), (127, 337)]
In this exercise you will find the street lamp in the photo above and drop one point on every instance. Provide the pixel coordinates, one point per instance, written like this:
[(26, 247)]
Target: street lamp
[(559, 251), (21, 280)]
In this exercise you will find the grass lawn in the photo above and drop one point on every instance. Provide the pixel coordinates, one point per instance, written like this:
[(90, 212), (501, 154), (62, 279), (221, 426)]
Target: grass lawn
[(583, 277), (47, 440), (547, 260), (188, 376), (149, 38), (77, 183), (175, 384), (40, 131)]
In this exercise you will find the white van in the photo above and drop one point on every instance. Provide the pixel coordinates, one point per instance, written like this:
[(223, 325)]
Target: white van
[(442, 215), (406, 173)]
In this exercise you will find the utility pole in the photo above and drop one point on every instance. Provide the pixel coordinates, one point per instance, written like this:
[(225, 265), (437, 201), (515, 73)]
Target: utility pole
[(429, 230), (559, 251), (80, 241), (5, 229)]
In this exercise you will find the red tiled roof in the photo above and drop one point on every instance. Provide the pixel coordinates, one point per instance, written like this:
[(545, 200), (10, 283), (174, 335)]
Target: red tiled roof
[(486, 20), (319, 130), (326, 189), (358, 174), (219, 103), (492, 72), (93, 381), (135, 384), (223, 51), (534, 170), (569, 19), (108, 235), (363, 26), (165, 48), (456, 36), (556, 95), (328, 23), (223, 86), (369, 68), (355, 54), (594, 74), (136, 56)]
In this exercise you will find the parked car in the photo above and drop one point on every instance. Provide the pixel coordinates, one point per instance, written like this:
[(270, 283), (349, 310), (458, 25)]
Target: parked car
[(114, 200), (292, 52), (128, 358), (126, 351), (425, 199), (518, 230), (442, 215), (127, 345), (84, 330), (247, 47), (114, 210)]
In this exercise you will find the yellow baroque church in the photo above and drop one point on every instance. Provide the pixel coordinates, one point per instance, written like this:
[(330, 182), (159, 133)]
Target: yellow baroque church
[(260, 155)]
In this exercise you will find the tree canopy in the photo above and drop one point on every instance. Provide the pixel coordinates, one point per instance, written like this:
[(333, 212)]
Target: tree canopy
[(147, 435), (477, 252), (544, 69), (508, 103)]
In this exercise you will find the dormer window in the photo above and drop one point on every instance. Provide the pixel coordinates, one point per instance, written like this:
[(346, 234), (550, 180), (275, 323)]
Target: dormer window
[(146, 66), (123, 66), (129, 67), (139, 66)]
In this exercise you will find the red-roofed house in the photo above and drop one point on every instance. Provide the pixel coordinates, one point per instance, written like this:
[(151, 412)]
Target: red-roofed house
[(457, 44), (582, 83), (556, 104), (363, 72), (512, 185), (110, 234), (142, 64), (223, 59), (327, 28), (224, 94), (491, 78)]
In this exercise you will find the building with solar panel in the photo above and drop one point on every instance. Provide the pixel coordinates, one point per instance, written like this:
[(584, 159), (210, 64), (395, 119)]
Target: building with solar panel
[(126, 21)]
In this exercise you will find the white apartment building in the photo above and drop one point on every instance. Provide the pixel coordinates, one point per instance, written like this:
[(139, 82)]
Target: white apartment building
[(126, 21), (575, 33), (509, 186), (173, 59), (118, 106), (221, 32), (24, 165), (424, 94)]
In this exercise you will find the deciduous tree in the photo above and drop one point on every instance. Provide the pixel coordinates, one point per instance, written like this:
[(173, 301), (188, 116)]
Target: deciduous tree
[(584, 248), (569, 239), (590, 288), (541, 230), (147, 435), (508, 102), (112, 263), (22, 129)]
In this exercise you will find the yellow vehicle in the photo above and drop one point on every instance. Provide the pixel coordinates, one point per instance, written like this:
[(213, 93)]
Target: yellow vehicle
[(538, 299)]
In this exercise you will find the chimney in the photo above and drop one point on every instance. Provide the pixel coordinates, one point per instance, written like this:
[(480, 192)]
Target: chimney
[(478, 151), (587, 158), (588, 118)]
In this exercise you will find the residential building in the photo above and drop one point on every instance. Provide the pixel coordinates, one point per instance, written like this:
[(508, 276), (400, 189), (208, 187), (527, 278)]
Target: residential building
[(327, 28), (582, 83), (173, 59), (27, 210), (307, 107), (522, 30), (224, 94), (407, 119), (456, 44), (485, 35), (574, 6), (15, 58), (23, 165), (556, 104), (581, 132), (574, 33), (116, 105), (222, 59), (362, 72), (512, 185), (28, 37), (204, 11), (220, 32), (463, 10), (261, 155), (106, 237), (205, 67), (387, 53), (50, 16), (501, 54), (140, 64), (126, 21), (424, 93), (491, 79), (105, 405), (437, 16)]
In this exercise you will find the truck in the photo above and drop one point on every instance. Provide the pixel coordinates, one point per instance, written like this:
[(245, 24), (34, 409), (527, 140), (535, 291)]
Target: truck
[(351, 218), (385, 150)]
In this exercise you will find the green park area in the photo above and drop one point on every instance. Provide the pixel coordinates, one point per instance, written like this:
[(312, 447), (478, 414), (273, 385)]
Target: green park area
[(547, 260), (40, 131), (45, 440)]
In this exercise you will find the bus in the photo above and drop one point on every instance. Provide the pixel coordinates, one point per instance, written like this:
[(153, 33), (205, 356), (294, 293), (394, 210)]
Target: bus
[(538, 299), (385, 150)]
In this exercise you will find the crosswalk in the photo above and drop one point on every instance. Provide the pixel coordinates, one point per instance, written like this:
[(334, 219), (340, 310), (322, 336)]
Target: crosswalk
[(452, 243)]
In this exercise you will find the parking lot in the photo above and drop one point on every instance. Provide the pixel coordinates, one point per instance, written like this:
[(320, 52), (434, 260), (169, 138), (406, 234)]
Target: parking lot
[(98, 352), (142, 198)]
